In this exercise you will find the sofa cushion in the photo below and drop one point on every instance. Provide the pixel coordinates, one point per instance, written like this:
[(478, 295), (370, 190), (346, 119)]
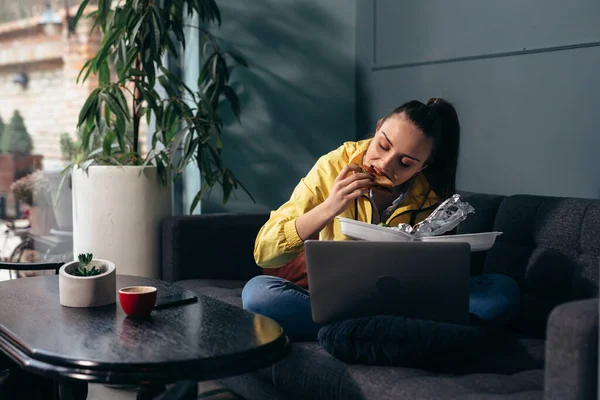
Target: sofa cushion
[(227, 291), (254, 386), (309, 372), (551, 248)]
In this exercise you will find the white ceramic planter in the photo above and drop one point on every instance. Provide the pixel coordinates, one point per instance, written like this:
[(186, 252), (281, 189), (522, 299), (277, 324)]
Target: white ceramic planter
[(117, 212), (88, 291)]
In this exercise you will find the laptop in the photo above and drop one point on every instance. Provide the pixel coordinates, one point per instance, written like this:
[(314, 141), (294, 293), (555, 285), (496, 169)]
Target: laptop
[(424, 280)]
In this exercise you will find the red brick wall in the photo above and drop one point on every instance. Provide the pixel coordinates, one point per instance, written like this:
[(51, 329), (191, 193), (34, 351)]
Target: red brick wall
[(51, 103)]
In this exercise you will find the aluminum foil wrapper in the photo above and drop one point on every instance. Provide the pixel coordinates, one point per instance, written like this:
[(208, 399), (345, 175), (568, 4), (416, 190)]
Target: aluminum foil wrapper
[(406, 228), (445, 218)]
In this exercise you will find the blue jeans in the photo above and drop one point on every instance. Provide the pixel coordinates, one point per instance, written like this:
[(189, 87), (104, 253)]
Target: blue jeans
[(493, 298)]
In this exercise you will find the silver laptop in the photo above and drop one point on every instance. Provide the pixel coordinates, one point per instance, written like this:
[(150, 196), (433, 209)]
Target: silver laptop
[(351, 279)]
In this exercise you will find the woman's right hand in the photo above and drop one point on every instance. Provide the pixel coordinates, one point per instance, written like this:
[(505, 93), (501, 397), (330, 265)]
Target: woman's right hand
[(347, 188)]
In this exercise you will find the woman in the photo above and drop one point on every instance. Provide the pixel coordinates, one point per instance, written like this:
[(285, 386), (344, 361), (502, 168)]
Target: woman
[(416, 146)]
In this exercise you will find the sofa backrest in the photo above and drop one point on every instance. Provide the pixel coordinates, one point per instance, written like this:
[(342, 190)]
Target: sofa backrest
[(210, 246), (551, 247), (486, 207)]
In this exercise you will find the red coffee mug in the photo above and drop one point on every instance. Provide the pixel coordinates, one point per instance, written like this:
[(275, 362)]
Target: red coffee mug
[(137, 301)]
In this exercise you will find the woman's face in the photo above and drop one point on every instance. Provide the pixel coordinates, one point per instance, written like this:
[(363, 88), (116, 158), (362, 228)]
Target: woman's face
[(399, 149)]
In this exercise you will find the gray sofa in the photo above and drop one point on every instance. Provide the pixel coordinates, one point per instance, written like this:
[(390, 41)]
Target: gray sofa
[(550, 246)]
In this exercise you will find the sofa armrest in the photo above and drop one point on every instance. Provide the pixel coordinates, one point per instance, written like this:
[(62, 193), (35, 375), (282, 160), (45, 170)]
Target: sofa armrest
[(210, 246), (571, 370)]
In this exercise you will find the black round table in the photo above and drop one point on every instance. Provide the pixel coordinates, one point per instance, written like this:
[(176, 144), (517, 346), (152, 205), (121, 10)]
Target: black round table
[(199, 341)]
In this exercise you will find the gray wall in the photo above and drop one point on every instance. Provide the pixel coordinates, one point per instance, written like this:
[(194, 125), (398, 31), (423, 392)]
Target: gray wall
[(298, 96), (523, 74)]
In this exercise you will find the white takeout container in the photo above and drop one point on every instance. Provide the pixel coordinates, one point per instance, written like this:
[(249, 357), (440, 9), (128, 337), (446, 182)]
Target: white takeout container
[(363, 231), (478, 241), (370, 232)]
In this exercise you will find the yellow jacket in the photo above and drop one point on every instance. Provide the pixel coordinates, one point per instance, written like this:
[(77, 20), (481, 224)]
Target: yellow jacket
[(278, 242)]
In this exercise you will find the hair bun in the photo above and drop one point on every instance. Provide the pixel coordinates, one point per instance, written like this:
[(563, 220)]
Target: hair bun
[(435, 100)]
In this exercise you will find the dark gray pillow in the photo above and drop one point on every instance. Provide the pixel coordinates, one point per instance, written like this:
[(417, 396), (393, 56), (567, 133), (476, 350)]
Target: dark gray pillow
[(405, 342)]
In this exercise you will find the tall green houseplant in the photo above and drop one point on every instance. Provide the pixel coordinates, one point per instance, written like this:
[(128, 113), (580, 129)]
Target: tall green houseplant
[(137, 34)]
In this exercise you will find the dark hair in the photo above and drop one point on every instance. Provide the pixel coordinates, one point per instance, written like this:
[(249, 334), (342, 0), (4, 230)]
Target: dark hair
[(438, 120)]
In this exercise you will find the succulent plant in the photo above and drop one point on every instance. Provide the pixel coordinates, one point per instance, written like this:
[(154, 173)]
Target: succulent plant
[(83, 268)]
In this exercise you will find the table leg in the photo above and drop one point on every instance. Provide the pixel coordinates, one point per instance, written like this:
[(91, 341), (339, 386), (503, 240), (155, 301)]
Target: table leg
[(149, 392), (72, 390), (18, 384)]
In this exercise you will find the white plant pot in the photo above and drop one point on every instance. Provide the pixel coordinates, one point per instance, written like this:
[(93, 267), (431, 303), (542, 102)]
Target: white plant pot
[(117, 212), (88, 291)]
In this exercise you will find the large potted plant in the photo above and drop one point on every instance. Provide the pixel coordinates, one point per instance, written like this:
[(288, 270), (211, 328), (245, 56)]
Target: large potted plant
[(120, 194)]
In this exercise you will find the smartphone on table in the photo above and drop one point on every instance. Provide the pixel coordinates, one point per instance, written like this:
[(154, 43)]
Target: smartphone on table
[(174, 300)]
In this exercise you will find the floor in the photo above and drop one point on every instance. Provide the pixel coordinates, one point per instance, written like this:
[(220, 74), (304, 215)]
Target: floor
[(210, 390)]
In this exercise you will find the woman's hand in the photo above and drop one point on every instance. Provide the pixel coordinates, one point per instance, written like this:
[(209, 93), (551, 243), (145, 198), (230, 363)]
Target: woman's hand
[(347, 188)]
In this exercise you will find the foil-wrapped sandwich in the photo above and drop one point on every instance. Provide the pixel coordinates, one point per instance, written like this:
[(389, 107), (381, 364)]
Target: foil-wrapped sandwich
[(443, 219)]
